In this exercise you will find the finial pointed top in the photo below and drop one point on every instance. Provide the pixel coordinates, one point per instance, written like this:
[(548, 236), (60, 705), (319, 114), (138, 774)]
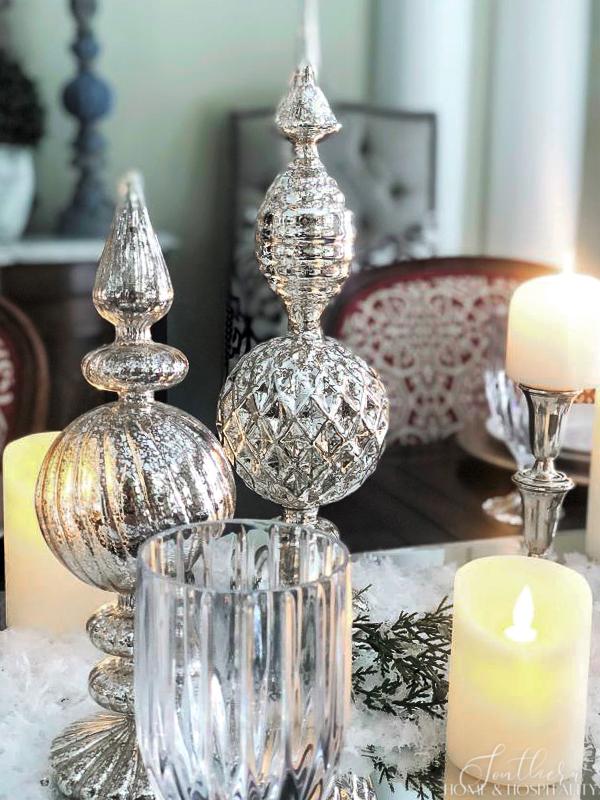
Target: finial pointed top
[(131, 187), (304, 115), (133, 291), (133, 286)]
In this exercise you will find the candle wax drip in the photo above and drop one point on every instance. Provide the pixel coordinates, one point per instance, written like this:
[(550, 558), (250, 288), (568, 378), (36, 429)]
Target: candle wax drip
[(523, 613)]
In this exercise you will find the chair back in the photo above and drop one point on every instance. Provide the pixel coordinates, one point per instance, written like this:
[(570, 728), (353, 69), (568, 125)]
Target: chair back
[(384, 162), (427, 327), (24, 382)]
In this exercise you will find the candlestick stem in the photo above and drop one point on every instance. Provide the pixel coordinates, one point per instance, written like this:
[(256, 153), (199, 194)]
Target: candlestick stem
[(542, 486)]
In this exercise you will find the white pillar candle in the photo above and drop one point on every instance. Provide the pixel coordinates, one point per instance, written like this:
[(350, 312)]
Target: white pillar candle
[(518, 671), (554, 333), (40, 591)]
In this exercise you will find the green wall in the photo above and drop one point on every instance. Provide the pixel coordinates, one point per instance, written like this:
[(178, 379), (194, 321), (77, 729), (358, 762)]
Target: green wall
[(177, 68)]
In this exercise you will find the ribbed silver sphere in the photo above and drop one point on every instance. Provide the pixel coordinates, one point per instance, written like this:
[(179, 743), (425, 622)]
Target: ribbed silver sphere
[(305, 239), (120, 473), (303, 420)]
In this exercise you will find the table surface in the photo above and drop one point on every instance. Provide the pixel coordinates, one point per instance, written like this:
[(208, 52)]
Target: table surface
[(420, 495), (458, 553)]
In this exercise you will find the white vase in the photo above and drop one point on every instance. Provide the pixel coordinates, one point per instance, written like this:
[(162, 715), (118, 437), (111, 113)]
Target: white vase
[(17, 185)]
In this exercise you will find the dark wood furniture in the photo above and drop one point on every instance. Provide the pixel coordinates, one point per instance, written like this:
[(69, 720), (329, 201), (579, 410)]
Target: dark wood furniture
[(430, 327), (24, 384), (365, 281), (24, 379), (58, 297)]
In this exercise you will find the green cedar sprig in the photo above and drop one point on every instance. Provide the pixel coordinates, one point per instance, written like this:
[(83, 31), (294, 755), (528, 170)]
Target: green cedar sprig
[(400, 668)]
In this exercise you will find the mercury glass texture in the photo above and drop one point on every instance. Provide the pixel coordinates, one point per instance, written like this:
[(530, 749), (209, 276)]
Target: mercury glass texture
[(243, 661), (302, 418), (114, 477)]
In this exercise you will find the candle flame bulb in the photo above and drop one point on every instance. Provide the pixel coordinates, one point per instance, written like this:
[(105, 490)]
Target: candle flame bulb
[(523, 614), (567, 266)]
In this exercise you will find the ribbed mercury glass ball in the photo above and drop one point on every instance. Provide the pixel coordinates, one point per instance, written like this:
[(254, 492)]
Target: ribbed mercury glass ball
[(303, 420), (304, 233), (121, 473)]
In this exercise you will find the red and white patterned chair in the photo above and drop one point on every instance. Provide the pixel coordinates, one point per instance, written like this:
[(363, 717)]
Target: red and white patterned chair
[(426, 326), (24, 383)]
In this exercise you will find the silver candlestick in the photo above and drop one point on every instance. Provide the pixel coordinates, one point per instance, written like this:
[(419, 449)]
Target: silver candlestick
[(542, 486)]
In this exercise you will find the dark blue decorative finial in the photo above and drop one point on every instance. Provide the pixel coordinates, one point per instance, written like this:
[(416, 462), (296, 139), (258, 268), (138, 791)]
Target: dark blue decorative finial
[(88, 98)]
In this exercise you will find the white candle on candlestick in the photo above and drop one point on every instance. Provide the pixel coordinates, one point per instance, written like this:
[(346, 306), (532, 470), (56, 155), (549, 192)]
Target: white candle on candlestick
[(40, 591), (554, 333), (518, 671)]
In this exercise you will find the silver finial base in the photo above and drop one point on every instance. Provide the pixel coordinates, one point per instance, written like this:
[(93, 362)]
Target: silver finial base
[(542, 487), (99, 758)]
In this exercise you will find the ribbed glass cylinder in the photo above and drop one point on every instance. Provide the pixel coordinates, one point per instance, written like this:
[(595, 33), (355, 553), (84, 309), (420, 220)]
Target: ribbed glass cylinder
[(243, 662)]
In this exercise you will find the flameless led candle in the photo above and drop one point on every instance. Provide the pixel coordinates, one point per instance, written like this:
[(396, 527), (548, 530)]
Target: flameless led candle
[(518, 671), (554, 333), (40, 592)]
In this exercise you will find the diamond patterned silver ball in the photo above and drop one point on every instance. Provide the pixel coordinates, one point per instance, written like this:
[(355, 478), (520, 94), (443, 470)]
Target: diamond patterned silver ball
[(303, 420)]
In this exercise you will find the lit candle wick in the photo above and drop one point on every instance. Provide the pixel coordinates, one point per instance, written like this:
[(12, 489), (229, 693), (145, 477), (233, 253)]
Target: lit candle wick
[(567, 266), (523, 613)]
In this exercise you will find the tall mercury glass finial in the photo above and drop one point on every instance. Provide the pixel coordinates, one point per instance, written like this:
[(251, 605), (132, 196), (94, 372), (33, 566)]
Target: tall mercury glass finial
[(115, 476), (301, 417)]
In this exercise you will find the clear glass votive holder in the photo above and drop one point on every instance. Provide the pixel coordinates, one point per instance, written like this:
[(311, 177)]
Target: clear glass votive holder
[(243, 660)]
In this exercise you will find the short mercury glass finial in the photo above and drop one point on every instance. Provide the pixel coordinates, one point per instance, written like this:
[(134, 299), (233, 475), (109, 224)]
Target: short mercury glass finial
[(302, 418), (115, 476)]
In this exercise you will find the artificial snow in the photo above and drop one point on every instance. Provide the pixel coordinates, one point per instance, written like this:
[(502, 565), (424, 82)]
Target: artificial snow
[(43, 682), (43, 688)]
